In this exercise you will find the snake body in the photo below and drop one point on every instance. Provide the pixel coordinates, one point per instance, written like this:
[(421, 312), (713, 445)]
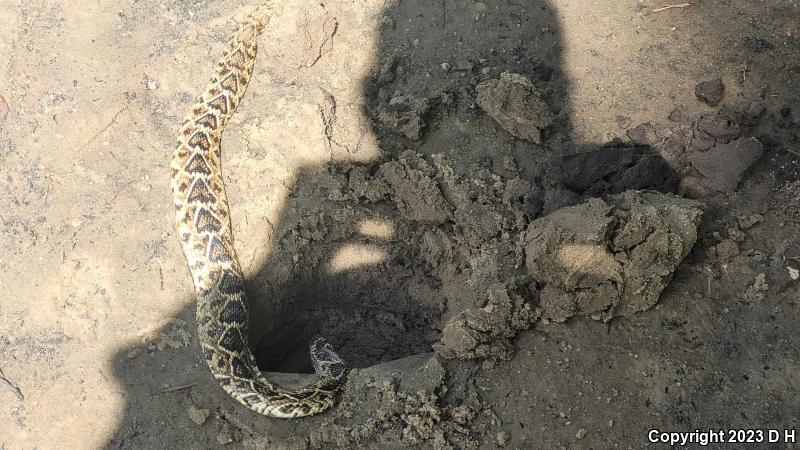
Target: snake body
[(204, 228)]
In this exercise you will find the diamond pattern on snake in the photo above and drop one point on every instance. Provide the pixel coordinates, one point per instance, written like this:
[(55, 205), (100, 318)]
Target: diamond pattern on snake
[(204, 227)]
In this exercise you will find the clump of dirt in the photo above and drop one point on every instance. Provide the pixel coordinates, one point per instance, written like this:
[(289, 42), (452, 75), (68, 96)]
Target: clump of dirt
[(413, 189), (719, 127), (710, 91), (398, 399), (724, 165), (516, 105), (404, 114), (403, 404), (710, 153), (487, 331), (605, 259)]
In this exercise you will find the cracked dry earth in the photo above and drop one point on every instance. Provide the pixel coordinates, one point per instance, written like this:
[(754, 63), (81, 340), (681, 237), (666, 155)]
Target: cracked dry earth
[(541, 224)]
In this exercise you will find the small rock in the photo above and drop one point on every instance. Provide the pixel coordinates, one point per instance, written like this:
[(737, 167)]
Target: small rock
[(793, 266), (761, 285), (446, 66), (502, 438), (150, 83), (225, 437), (581, 433), (198, 416), (134, 352), (676, 115), (486, 70), (710, 92)]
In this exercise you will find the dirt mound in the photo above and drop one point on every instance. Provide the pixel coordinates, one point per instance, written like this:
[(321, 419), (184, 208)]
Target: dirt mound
[(605, 259)]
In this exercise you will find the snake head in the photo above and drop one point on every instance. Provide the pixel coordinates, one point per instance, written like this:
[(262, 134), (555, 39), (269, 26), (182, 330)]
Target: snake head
[(327, 364)]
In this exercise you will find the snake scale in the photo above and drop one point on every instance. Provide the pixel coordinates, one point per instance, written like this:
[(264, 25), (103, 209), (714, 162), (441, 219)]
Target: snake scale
[(204, 228)]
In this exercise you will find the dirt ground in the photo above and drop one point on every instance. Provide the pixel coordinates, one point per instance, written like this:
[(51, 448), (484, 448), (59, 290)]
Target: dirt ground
[(525, 224)]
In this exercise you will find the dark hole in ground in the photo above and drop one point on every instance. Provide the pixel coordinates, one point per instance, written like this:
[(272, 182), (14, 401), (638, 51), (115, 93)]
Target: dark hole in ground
[(368, 315)]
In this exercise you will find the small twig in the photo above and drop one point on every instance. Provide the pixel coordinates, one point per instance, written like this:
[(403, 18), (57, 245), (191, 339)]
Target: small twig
[(179, 388), (11, 387), (666, 7), (106, 127)]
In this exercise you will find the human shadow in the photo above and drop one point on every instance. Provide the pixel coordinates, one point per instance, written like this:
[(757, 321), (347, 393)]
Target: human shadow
[(372, 312)]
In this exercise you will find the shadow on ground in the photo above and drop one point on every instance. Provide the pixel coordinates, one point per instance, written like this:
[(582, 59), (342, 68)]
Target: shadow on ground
[(630, 371)]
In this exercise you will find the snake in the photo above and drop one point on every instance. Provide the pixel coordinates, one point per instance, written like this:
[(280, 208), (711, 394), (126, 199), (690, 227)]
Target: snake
[(203, 224)]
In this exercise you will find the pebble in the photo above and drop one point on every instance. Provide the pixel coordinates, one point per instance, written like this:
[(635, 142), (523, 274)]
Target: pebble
[(150, 83), (446, 66), (581, 433), (502, 439), (760, 284), (793, 266), (198, 416), (225, 437)]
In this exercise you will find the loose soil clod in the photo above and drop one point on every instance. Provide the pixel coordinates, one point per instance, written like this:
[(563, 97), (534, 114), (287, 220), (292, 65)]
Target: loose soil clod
[(710, 91), (516, 104)]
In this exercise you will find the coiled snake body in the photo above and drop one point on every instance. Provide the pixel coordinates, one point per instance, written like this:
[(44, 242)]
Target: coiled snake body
[(204, 228)]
